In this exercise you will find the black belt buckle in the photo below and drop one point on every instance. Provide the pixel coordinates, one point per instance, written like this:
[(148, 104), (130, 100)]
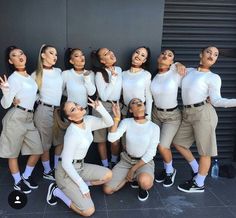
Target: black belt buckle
[(24, 109)]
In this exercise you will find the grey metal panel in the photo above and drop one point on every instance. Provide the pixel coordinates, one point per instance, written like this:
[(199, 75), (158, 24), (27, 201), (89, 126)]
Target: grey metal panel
[(191, 25), (118, 25)]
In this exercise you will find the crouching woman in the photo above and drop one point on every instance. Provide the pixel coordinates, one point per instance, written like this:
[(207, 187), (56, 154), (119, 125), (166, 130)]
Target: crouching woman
[(73, 176), (136, 162)]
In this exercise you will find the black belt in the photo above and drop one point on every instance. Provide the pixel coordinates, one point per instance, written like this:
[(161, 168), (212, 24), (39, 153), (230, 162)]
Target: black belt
[(133, 158), (73, 161), (24, 109), (45, 104), (169, 109), (196, 105)]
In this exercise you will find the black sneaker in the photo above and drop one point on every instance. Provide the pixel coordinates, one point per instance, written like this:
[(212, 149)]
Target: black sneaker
[(51, 199), (21, 186), (191, 187), (134, 184), (50, 175), (143, 194), (170, 179), (30, 182), (160, 177)]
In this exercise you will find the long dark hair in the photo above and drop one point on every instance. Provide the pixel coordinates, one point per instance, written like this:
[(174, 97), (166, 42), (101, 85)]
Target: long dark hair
[(68, 53), (146, 65), (97, 66), (10, 68)]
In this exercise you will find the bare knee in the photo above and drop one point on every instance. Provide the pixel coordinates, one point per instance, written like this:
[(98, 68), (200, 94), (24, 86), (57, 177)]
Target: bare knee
[(88, 212), (145, 181), (107, 190), (107, 176)]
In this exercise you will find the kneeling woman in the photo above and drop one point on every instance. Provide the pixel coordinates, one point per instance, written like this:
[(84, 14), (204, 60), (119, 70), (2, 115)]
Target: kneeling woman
[(136, 164), (73, 176)]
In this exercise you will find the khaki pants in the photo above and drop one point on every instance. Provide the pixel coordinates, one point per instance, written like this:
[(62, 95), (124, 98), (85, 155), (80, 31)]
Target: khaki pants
[(198, 124)]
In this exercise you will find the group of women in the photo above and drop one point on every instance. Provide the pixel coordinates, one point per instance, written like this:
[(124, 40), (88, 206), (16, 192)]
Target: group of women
[(142, 124)]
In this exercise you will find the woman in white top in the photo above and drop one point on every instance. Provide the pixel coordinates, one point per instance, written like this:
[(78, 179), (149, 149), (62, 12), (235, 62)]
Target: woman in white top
[(73, 176), (19, 133), (108, 80), (165, 112), (136, 164), (78, 84), (49, 80), (199, 117), (137, 80)]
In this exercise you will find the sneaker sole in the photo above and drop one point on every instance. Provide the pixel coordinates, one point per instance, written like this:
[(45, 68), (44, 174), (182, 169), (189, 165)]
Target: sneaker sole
[(26, 192), (48, 195), (143, 199), (159, 181), (49, 178), (28, 184), (134, 186), (190, 191), (166, 186)]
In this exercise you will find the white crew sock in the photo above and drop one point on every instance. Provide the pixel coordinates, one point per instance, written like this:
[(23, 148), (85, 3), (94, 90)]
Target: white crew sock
[(114, 158), (169, 168), (28, 171), (46, 166), (56, 157), (194, 165), (16, 177), (199, 179), (58, 193), (105, 163)]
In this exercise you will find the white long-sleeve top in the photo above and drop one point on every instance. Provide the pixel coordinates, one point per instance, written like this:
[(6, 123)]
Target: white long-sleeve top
[(141, 139), (21, 87), (109, 91), (197, 86), (164, 88), (51, 90), (78, 140), (78, 87), (137, 85)]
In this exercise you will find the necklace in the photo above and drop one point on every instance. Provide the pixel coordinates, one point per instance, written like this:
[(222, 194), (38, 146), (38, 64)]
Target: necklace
[(21, 69), (79, 122), (139, 118)]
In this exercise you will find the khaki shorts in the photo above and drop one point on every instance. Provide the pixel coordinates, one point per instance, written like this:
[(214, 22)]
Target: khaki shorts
[(19, 135), (198, 124), (169, 122), (121, 169), (88, 172), (43, 119), (100, 135)]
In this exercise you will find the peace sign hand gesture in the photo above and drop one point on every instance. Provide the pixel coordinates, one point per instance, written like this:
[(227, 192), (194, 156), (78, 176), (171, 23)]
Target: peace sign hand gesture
[(94, 104), (116, 109), (4, 83)]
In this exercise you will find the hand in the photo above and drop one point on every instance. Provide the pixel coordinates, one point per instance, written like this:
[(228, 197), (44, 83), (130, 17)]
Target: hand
[(208, 100), (130, 175), (86, 72), (113, 72), (181, 69), (16, 101), (116, 109), (4, 83), (94, 104)]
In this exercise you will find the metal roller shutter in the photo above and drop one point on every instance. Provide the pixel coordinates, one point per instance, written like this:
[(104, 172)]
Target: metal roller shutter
[(191, 25)]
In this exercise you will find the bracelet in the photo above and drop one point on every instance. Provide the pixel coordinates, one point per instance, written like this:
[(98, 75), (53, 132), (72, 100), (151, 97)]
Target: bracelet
[(116, 119)]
